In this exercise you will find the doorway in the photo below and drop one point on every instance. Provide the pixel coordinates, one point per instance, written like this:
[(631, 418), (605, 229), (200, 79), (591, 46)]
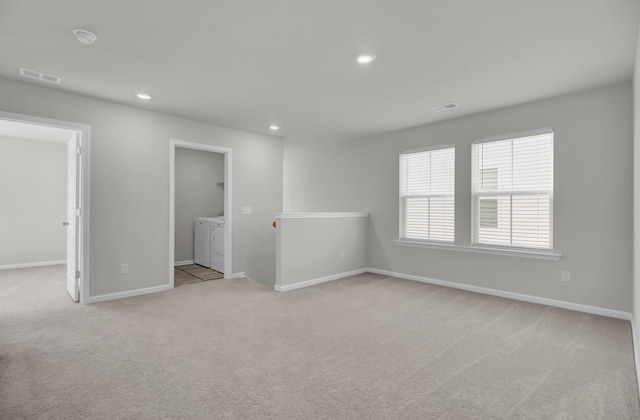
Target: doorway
[(221, 187), (76, 222)]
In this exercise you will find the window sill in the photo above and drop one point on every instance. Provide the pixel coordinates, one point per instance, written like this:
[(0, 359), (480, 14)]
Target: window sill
[(539, 255)]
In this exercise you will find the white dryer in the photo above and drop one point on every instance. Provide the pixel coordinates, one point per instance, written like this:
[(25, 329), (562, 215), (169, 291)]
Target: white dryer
[(208, 242)]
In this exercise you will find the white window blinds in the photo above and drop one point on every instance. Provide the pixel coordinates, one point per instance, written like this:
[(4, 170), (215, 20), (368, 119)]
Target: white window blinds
[(427, 189), (513, 190)]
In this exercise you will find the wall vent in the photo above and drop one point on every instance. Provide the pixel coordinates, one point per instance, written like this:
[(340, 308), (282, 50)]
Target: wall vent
[(32, 74), (445, 107)]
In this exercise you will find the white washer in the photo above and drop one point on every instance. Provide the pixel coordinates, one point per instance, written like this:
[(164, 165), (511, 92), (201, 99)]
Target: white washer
[(208, 242)]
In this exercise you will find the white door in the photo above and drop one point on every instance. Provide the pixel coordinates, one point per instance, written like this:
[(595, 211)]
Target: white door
[(73, 218)]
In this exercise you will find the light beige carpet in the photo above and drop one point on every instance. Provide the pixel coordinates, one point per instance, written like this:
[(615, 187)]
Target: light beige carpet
[(365, 347)]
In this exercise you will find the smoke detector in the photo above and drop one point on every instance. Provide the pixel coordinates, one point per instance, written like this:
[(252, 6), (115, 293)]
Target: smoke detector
[(85, 37)]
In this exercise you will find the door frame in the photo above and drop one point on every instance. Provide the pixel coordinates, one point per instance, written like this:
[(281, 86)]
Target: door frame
[(83, 134), (228, 248)]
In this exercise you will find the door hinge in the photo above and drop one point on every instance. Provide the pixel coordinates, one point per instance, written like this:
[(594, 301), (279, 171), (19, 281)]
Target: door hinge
[(78, 213), (78, 151), (77, 274)]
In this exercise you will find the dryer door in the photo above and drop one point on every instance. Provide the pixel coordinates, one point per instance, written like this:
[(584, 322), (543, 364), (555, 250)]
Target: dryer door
[(218, 240), (217, 247), (201, 254)]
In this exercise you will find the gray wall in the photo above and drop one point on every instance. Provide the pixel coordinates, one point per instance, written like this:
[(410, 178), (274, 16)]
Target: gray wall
[(592, 209), (33, 185), (197, 195), (130, 185), (314, 247)]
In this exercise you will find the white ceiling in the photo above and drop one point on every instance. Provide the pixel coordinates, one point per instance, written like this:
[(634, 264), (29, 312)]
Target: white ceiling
[(251, 63)]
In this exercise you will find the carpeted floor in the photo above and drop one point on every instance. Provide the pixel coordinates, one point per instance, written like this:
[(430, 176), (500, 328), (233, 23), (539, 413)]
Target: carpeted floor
[(364, 347)]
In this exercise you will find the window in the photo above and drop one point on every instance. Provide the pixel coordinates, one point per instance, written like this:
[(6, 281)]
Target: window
[(427, 187), (513, 190)]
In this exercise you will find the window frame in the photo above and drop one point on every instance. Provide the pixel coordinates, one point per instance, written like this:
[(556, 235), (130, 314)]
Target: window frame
[(402, 198), (475, 207)]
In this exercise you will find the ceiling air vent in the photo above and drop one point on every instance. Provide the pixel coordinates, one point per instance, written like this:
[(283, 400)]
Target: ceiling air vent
[(444, 107), (32, 74)]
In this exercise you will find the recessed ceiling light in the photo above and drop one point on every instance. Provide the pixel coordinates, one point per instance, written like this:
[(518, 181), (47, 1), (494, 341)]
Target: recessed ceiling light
[(274, 127), (365, 58), (84, 36), (143, 96)]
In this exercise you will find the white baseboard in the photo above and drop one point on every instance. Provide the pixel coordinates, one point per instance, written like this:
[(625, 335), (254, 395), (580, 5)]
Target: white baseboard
[(634, 336), (179, 263), (319, 280), (128, 293), (511, 295), (477, 289), (32, 264), (238, 275), (137, 292)]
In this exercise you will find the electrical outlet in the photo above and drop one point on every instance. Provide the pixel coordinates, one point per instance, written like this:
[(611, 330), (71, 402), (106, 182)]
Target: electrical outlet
[(125, 268), (566, 275), (247, 210)]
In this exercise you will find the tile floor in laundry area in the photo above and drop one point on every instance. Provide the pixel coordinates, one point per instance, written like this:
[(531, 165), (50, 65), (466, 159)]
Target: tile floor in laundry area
[(185, 274)]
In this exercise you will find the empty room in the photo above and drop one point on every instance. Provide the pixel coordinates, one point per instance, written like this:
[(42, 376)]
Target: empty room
[(285, 209)]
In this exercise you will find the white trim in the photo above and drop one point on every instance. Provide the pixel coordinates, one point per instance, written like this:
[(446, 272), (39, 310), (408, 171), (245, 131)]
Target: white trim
[(636, 358), (238, 275), (228, 214), (181, 263), (47, 122), (636, 343), (319, 215), (539, 255), (476, 289), (32, 264), (518, 134), (319, 280), (510, 295), (84, 132), (129, 293), (428, 149)]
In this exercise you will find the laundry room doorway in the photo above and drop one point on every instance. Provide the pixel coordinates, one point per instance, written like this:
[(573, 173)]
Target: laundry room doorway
[(200, 222)]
